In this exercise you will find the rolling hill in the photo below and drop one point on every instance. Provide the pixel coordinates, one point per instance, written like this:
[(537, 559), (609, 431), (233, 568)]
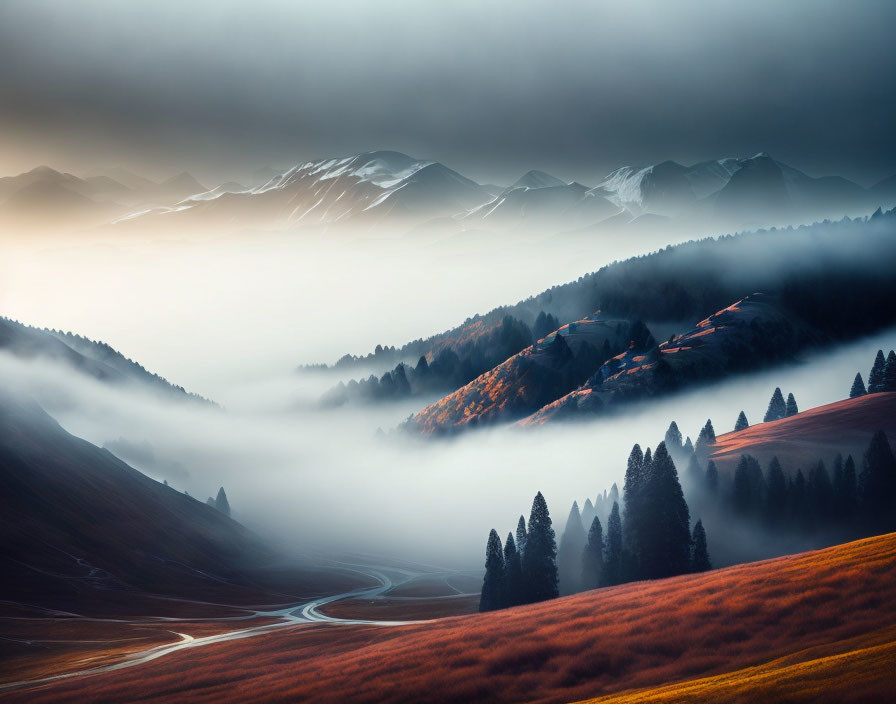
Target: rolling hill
[(787, 624), (748, 334), (529, 379), (82, 530), (94, 359), (840, 290), (801, 440)]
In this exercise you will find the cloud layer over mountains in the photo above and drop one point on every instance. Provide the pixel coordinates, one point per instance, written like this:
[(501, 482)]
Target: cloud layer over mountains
[(573, 88)]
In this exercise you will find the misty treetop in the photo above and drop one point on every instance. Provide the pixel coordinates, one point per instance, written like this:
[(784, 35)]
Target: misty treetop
[(653, 540), (493, 588), (522, 575), (836, 276), (882, 376), (777, 408)]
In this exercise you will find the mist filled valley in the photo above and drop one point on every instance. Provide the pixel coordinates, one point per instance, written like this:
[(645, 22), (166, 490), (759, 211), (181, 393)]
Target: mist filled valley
[(401, 352), (305, 473)]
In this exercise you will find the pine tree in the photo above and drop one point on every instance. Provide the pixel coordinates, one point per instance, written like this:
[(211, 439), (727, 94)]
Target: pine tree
[(712, 479), (665, 540), (777, 409), (492, 596), (889, 380), (614, 492), (705, 439), (858, 387), (588, 512), (700, 561), (631, 493), (221, 502), (876, 377), (569, 555), (521, 537), (673, 438), (741, 423), (878, 483), (593, 556), (613, 561), (540, 557), (513, 574), (400, 379), (688, 446), (791, 409)]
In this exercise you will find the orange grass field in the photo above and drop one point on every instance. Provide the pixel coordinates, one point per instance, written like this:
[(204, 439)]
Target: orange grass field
[(786, 628), (818, 433)]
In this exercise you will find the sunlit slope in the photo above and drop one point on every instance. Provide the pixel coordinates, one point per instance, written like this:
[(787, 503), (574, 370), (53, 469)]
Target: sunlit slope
[(748, 334), (636, 636), (856, 670), (819, 433), (529, 379)]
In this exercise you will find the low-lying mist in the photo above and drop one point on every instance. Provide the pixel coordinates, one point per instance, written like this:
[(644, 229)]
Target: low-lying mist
[(326, 480), (209, 311)]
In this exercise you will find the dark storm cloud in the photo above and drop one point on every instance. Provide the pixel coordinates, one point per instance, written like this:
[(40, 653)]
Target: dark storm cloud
[(489, 88)]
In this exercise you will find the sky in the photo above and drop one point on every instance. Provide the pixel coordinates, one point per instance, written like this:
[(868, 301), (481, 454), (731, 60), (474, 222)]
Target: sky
[(490, 89)]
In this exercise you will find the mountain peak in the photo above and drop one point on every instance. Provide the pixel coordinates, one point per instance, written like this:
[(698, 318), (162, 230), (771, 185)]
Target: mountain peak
[(537, 179)]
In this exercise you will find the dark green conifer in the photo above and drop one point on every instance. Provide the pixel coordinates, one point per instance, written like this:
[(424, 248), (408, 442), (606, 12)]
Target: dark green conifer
[(777, 409), (593, 556), (493, 593), (791, 409), (614, 557), (876, 377), (221, 502), (540, 556), (700, 561), (569, 554), (513, 574)]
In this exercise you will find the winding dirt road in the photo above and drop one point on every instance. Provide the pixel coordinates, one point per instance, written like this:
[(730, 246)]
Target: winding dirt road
[(306, 613)]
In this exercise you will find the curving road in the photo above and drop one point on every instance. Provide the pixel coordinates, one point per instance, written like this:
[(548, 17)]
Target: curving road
[(307, 613)]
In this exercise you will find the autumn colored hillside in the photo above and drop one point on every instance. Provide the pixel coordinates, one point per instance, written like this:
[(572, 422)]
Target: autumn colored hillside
[(531, 378), (748, 334), (797, 619), (819, 433)]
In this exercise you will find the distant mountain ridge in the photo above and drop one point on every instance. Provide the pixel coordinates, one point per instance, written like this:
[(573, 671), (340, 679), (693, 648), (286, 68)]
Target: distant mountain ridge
[(402, 194), (45, 198), (391, 189)]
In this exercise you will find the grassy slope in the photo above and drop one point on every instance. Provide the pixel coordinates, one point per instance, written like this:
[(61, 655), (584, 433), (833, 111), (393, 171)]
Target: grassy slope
[(801, 440), (636, 636)]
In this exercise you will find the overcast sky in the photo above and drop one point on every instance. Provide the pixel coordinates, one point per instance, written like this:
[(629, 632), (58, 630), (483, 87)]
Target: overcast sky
[(489, 88)]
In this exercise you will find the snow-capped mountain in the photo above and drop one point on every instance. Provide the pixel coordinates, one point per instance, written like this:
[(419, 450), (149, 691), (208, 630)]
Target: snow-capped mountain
[(734, 192), (539, 200), (371, 189), (400, 194), (537, 179), (667, 188)]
